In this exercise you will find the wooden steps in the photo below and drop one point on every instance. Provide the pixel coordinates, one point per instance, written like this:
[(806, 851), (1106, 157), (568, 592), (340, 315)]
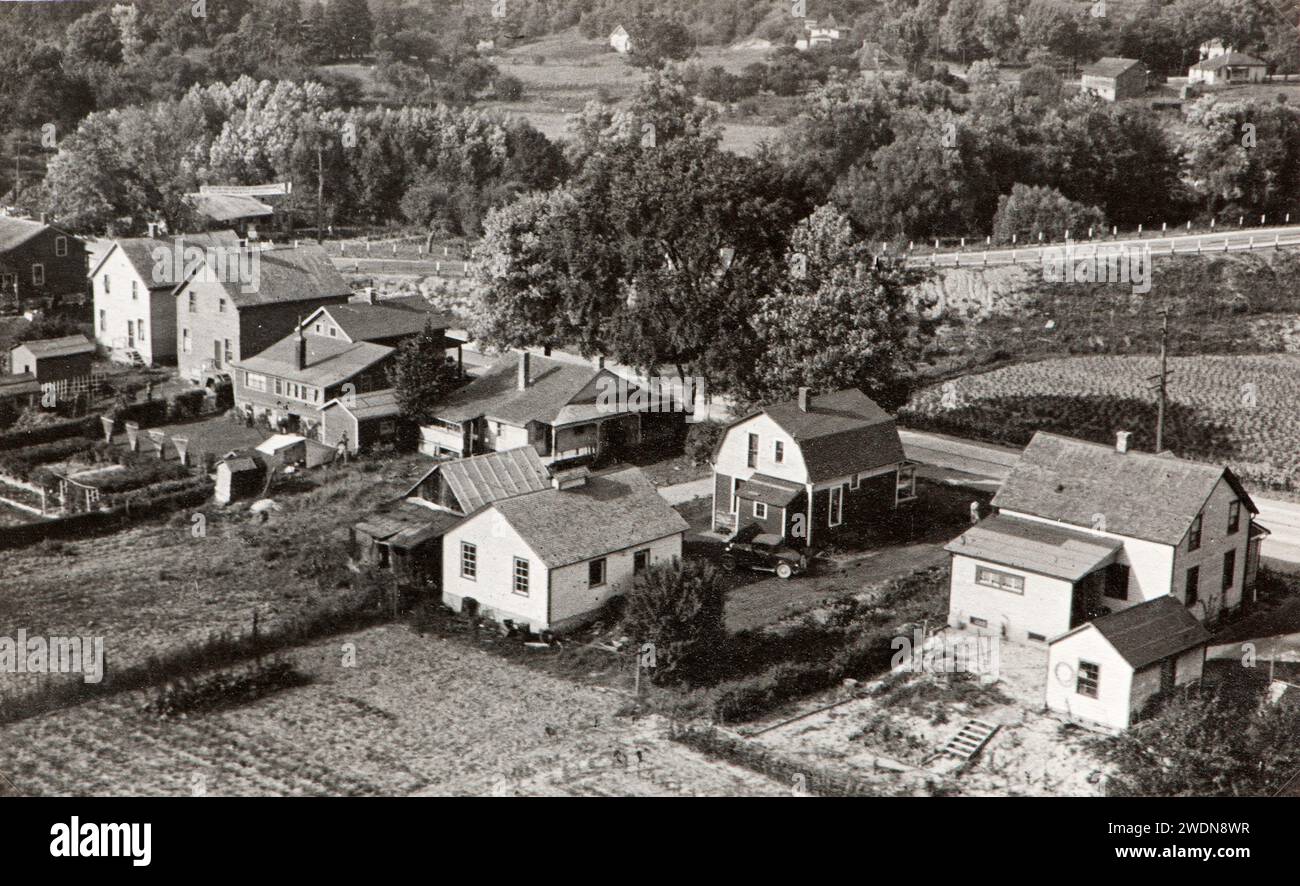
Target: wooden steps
[(969, 740)]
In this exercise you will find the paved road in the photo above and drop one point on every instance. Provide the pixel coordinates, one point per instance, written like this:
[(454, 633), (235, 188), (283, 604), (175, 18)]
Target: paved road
[(966, 462), (1230, 239)]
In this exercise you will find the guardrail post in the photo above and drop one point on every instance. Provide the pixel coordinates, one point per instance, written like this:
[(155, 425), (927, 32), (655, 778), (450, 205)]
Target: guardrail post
[(986, 258)]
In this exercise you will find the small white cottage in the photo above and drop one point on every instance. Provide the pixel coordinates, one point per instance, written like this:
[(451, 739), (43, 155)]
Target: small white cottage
[(1104, 672)]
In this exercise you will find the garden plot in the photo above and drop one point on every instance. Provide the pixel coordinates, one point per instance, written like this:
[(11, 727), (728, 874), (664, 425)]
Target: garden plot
[(416, 715)]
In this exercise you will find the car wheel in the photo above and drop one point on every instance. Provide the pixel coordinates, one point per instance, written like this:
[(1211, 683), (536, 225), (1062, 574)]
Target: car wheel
[(783, 570), (729, 564)]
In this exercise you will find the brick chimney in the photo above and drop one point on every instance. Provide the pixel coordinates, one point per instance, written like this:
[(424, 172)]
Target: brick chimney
[(1121, 441), (300, 348), (805, 399), (524, 381)]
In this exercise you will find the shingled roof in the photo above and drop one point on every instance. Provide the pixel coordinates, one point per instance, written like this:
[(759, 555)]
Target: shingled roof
[(608, 513), (360, 321), (841, 433), (140, 253), (65, 346), (228, 207), (1149, 632), (1110, 66), (1230, 59), (1140, 495), (490, 477), (288, 274), (16, 231), (495, 394), (1042, 548), (329, 361)]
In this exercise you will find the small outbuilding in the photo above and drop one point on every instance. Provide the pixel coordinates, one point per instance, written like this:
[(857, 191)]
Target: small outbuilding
[(620, 40), (240, 474), (1114, 79), (54, 360), (1105, 672)]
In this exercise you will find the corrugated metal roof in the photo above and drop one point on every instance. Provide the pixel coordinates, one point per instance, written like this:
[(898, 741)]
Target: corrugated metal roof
[(490, 477), (1139, 495), (1036, 547)]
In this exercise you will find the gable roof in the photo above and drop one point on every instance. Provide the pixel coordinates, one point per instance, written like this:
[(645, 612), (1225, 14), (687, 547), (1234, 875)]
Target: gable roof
[(482, 479), (227, 207), (375, 404), (16, 231), (329, 361), (495, 395), (1148, 632), (360, 321), (18, 383), (1140, 495), (287, 274), (139, 252), (841, 433), (65, 346), (1067, 554), (607, 513), (1111, 66), (1230, 59)]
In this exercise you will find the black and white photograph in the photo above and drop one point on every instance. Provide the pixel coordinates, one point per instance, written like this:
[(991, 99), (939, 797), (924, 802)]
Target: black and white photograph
[(677, 399)]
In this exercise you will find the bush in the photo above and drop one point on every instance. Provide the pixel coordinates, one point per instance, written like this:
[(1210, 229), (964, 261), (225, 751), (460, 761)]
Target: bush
[(508, 88), (87, 426), (701, 440), (185, 405), (1028, 210), (677, 607), (226, 688)]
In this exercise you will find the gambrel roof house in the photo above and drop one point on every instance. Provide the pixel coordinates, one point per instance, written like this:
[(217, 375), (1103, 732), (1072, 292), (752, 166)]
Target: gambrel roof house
[(839, 451), (1084, 529), (555, 406), (549, 560), (1105, 671)]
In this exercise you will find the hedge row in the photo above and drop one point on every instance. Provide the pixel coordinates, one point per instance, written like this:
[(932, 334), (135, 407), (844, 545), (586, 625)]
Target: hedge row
[(134, 507), (226, 688), (86, 426), (21, 463)]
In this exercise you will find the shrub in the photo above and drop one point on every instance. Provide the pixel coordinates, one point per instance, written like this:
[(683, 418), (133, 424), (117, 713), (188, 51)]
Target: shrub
[(21, 463), (701, 439), (1028, 210), (226, 688), (508, 88), (677, 607), (87, 426)]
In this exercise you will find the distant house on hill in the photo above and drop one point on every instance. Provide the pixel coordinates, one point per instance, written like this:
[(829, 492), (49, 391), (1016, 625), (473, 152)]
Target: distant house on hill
[(1228, 67), (819, 33), (1114, 79), (620, 40)]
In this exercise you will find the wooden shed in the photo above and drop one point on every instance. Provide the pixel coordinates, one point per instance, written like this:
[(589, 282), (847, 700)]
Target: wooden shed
[(405, 538), (240, 475)]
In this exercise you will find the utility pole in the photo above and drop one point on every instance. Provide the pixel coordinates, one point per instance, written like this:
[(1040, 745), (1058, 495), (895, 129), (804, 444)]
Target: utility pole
[(320, 188), (1162, 381)]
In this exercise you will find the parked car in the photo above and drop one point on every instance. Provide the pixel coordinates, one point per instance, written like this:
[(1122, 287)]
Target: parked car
[(763, 552)]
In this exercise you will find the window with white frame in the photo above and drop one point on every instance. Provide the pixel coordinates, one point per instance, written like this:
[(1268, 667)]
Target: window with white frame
[(60, 246), (1004, 581), (906, 488), (139, 325), (855, 482), (521, 577), (193, 302), (835, 512), (778, 452), (38, 274), (760, 510), (135, 291), (468, 560), (1089, 678), (253, 380)]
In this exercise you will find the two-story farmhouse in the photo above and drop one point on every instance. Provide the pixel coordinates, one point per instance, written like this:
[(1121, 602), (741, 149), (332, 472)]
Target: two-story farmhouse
[(1084, 529), (132, 287), (550, 560), (40, 265), (809, 467), (221, 320), (405, 536), (557, 407), (329, 378)]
